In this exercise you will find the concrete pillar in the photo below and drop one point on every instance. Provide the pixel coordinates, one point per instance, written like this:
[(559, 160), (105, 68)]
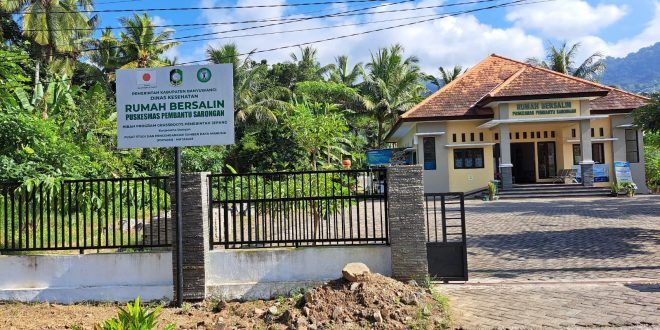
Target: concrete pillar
[(506, 168), (587, 163), (405, 205), (195, 211)]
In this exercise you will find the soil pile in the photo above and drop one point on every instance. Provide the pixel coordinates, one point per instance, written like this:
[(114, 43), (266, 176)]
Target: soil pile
[(375, 301)]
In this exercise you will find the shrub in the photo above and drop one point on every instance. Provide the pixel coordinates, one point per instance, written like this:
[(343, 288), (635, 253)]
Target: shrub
[(134, 317)]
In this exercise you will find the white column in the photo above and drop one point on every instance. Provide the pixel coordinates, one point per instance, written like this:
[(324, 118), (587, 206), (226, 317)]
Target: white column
[(587, 162), (505, 149)]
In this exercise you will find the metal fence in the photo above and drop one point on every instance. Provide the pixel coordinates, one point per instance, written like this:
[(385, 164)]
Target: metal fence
[(445, 217), (308, 208), (446, 236), (85, 214)]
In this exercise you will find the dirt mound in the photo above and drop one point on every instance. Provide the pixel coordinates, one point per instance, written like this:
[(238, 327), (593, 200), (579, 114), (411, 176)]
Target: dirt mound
[(377, 301), (374, 302)]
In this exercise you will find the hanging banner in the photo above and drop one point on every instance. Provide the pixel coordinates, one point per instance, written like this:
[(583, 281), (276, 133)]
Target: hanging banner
[(175, 106), (622, 172)]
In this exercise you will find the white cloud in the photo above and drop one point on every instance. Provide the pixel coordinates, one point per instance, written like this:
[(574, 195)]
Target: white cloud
[(445, 42), (565, 18), (620, 48)]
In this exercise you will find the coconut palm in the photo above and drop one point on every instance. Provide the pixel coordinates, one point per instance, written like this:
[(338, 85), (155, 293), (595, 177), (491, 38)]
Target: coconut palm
[(340, 72), (106, 52), (308, 65), (446, 75), (392, 86), (562, 60), (253, 97), (141, 45), (57, 27)]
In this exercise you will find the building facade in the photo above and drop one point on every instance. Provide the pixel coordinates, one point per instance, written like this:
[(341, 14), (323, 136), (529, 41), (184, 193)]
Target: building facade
[(511, 121)]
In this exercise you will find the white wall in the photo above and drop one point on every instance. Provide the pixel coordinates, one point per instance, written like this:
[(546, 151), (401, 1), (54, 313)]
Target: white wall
[(265, 273), (90, 277)]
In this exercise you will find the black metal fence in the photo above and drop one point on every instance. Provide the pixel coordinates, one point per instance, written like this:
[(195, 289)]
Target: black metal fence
[(446, 236), (445, 217), (85, 214), (309, 208)]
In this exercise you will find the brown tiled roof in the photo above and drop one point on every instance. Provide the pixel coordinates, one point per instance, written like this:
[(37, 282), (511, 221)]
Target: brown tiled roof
[(459, 96), (530, 82), (617, 100), (500, 78)]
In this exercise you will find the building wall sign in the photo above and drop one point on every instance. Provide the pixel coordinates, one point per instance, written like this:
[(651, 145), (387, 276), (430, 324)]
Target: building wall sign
[(175, 106), (544, 109)]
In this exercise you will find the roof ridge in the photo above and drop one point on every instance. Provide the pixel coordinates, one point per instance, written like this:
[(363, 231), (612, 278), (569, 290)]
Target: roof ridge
[(597, 84), (505, 83), (446, 86)]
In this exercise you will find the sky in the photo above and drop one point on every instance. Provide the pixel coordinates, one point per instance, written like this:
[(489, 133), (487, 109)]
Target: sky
[(612, 27)]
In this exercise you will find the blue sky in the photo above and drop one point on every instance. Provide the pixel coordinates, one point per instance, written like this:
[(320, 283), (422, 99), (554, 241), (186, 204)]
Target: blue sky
[(613, 27)]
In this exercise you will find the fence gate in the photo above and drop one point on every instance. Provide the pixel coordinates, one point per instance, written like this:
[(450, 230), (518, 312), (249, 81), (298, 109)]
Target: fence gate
[(446, 246)]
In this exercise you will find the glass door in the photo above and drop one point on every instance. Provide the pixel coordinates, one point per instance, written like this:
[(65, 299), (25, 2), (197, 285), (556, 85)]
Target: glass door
[(547, 160)]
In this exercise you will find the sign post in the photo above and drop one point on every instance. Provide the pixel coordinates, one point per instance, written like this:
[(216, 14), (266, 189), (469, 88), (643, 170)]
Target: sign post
[(175, 107), (179, 225)]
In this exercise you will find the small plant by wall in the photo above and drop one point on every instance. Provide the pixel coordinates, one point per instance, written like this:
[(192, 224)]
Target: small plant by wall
[(135, 317)]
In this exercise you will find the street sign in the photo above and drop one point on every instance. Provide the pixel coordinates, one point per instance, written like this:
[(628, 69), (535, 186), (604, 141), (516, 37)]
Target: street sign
[(175, 106)]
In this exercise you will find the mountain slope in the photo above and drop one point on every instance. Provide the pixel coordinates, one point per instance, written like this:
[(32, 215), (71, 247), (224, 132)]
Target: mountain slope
[(638, 72)]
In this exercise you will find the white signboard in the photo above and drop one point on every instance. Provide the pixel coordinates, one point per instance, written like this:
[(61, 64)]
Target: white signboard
[(622, 172), (175, 106)]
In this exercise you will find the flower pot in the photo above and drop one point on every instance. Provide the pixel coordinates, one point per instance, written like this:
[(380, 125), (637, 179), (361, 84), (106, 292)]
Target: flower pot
[(346, 163)]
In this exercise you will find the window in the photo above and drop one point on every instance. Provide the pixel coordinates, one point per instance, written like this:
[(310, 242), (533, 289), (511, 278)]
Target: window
[(524, 135), (545, 134), (497, 136), (429, 153), (632, 146), (481, 136), (462, 137), (573, 133), (471, 137), (577, 154), (552, 134), (453, 137), (517, 136), (592, 132), (538, 135), (469, 158), (598, 153), (601, 132)]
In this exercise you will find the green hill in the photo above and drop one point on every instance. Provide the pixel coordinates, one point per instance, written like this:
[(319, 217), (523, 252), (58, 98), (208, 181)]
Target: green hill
[(638, 72)]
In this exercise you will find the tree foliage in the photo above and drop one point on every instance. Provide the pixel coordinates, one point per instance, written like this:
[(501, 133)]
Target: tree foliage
[(648, 116), (562, 59)]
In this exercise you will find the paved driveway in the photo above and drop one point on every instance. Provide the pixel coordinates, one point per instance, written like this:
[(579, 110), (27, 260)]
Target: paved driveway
[(561, 263)]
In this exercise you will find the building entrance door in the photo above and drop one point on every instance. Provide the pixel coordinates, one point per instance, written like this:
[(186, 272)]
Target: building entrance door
[(547, 161), (522, 158)]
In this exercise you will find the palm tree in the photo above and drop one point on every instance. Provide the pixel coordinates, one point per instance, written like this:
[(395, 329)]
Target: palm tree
[(309, 68), (392, 86), (446, 75), (253, 97), (562, 60), (106, 52), (141, 46), (57, 27), (340, 73)]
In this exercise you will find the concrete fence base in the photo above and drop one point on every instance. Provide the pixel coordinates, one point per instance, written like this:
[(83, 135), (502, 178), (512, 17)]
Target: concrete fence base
[(268, 273), (88, 277)]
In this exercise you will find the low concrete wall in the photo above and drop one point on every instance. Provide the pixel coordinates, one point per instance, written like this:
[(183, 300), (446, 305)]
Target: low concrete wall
[(91, 277), (266, 273)]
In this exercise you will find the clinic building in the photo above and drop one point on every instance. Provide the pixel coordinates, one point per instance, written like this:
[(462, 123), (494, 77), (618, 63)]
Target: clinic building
[(508, 120)]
